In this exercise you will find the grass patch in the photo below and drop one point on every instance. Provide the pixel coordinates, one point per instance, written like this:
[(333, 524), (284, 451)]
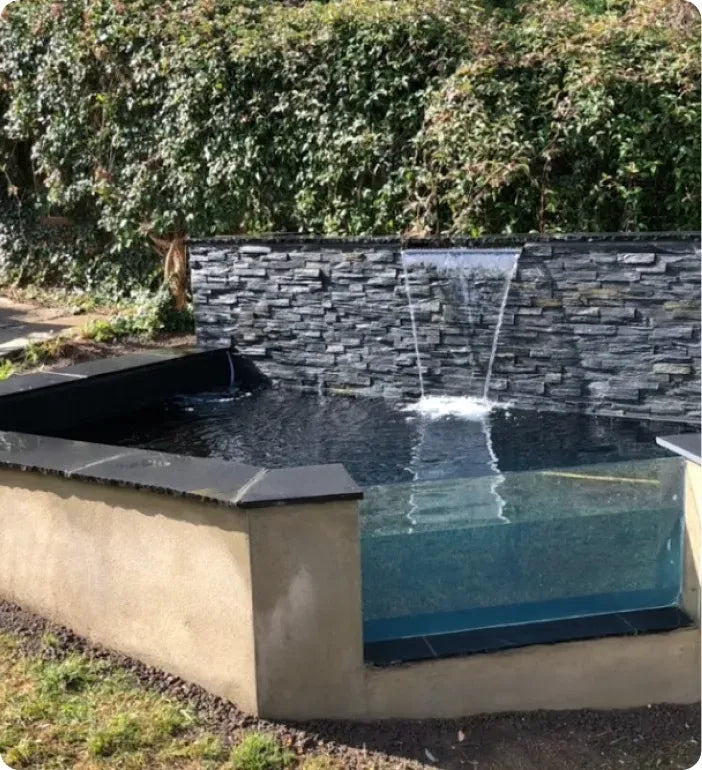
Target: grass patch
[(259, 751), (73, 674), (76, 713)]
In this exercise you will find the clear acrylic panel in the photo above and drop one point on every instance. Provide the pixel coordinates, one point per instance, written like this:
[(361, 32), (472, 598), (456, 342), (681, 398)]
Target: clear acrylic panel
[(519, 547)]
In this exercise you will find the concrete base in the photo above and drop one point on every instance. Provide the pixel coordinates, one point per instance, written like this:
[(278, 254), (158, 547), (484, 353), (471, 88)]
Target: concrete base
[(619, 672), (263, 607)]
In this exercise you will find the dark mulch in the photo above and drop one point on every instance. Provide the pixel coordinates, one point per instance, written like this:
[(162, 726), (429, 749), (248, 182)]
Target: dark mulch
[(660, 736)]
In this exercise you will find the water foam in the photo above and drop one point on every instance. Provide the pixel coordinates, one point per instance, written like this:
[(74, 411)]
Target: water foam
[(465, 407)]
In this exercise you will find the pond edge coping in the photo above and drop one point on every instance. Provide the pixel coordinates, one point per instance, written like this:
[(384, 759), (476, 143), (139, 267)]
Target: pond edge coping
[(213, 480)]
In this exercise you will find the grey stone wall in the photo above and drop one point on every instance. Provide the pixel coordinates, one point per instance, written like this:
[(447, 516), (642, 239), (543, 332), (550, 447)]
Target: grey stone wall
[(606, 325)]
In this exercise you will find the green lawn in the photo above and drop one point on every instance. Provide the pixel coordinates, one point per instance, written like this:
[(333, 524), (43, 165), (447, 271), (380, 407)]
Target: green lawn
[(79, 714)]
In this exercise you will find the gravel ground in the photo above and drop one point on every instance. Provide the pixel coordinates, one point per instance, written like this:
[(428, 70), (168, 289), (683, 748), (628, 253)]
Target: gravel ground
[(634, 739)]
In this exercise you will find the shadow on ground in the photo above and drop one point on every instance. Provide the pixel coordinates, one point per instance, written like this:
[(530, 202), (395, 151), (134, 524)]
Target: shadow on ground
[(662, 736)]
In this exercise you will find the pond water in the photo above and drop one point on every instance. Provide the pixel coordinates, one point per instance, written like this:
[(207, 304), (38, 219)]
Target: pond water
[(483, 519)]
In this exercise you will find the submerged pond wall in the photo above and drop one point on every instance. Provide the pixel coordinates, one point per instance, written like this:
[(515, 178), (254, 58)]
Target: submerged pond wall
[(603, 324)]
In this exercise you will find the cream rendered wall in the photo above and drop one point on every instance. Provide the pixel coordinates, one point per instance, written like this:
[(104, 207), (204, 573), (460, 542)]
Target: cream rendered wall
[(691, 555), (163, 579)]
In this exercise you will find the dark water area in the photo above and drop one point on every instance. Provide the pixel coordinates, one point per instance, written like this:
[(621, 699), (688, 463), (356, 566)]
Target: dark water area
[(376, 441)]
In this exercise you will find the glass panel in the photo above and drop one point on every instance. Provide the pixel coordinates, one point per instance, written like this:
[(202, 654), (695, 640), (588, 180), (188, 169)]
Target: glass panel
[(519, 547)]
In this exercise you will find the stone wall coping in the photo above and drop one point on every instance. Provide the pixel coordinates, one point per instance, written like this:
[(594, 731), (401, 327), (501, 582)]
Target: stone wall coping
[(23, 383), (441, 241), (200, 478), (687, 445)]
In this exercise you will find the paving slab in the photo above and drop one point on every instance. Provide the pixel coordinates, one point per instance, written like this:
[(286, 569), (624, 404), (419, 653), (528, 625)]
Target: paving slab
[(22, 323)]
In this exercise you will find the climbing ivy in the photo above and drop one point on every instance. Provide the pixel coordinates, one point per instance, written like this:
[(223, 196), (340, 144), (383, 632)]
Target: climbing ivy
[(573, 121), (136, 119)]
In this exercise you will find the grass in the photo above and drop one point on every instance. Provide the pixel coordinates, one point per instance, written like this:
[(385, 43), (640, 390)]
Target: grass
[(75, 713), (7, 369), (258, 751)]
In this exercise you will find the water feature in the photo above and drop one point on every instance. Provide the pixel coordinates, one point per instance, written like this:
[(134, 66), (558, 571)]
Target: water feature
[(475, 515), (471, 269)]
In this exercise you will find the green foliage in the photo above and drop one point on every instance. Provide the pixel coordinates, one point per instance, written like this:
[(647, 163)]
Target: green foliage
[(70, 675), (32, 253), (260, 751), (44, 352), (147, 315), (7, 369), (123, 734), (576, 121), (353, 116)]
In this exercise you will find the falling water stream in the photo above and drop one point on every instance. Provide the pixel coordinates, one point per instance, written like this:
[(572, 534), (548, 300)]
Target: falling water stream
[(414, 329), (498, 327), (430, 504)]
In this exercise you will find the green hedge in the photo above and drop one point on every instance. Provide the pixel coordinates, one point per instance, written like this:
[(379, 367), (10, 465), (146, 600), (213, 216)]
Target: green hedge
[(571, 122), (353, 116)]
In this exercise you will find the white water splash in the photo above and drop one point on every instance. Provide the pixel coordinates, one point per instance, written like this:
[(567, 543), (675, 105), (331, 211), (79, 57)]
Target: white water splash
[(465, 407)]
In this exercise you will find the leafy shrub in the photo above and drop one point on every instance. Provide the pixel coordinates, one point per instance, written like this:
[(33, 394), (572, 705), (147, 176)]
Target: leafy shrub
[(7, 369), (76, 257), (147, 315), (227, 116), (575, 121), (139, 120)]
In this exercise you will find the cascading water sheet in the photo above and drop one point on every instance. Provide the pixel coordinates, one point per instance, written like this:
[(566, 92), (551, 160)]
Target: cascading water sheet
[(431, 505), (470, 269)]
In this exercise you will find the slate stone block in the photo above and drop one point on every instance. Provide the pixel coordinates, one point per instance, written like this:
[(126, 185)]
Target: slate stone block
[(642, 258), (672, 369)]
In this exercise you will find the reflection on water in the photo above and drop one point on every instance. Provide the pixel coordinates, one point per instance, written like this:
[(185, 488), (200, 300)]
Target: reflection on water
[(452, 439)]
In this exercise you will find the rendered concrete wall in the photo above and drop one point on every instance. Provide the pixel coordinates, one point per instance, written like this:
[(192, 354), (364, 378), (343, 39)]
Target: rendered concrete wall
[(605, 325), (165, 580), (693, 543), (308, 619), (619, 672)]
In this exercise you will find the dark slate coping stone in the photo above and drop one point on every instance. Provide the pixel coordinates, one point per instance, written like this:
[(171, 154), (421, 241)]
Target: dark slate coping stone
[(687, 445), (439, 241), (113, 364), (23, 383), (305, 484), (203, 479), (482, 640)]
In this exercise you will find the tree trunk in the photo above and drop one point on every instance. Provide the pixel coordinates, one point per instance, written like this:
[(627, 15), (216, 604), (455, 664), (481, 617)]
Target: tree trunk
[(175, 265)]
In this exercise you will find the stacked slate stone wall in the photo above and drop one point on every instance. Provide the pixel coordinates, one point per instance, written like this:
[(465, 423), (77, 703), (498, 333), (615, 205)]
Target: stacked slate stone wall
[(603, 325)]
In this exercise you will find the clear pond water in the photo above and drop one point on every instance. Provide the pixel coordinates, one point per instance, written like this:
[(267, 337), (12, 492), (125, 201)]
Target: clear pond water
[(483, 522)]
